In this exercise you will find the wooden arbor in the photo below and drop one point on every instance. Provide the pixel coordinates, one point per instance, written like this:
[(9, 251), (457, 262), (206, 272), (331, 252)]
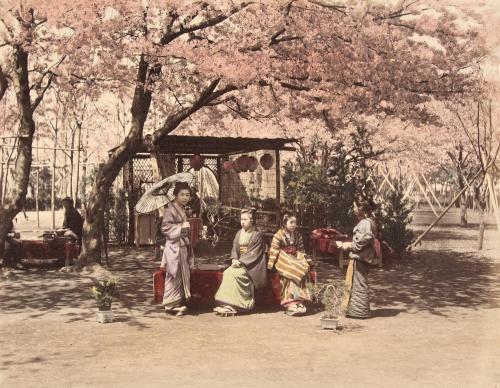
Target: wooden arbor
[(173, 154)]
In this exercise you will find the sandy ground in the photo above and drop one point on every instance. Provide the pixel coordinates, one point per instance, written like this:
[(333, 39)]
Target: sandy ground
[(435, 324)]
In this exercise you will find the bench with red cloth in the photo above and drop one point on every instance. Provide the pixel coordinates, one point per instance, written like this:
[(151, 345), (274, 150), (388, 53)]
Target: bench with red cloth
[(205, 283), (60, 248), (323, 241)]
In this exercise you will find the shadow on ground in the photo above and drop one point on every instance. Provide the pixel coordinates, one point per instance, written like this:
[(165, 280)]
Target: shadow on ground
[(434, 279)]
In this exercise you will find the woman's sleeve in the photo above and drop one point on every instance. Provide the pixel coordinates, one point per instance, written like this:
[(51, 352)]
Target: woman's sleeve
[(274, 251), (255, 253), (169, 227), (363, 236), (235, 254)]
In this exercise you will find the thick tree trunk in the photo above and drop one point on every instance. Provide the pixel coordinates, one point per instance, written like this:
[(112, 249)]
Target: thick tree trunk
[(16, 196), (94, 214)]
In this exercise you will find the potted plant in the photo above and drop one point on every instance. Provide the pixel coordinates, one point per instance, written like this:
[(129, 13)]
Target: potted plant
[(103, 292), (329, 295)]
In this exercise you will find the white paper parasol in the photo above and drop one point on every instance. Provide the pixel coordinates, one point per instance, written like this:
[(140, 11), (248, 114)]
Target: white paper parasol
[(161, 193)]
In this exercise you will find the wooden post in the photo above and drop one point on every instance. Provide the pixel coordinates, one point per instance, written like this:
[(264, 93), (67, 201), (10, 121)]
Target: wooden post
[(77, 183), (278, 183), (432, 191), (493, 200), (53, 188), (419, 238), (424, 193), (37, 187), (219, 176), (409, 189)]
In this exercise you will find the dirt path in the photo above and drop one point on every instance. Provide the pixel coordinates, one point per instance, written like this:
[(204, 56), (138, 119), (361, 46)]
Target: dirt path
[(436, 324)]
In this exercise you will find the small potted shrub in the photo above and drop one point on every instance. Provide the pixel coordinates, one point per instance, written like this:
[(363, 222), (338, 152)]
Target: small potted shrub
[(103, 292), (329, 295)]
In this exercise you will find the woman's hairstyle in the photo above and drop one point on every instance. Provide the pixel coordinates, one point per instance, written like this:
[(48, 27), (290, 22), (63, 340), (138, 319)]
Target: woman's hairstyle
[(252, 212), (181, 186), (286, 217), (366, 205)]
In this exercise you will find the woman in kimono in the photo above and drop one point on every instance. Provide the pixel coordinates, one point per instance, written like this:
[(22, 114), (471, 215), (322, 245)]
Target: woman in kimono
[(362, 253), (294, 291), (177, 257), (247, 272)]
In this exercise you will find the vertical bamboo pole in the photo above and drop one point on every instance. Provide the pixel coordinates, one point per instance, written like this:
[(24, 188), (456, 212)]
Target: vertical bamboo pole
[(53, 188)]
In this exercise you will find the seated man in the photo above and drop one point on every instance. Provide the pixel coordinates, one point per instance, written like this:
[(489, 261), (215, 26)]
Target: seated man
[(73, 221), (13, 251)]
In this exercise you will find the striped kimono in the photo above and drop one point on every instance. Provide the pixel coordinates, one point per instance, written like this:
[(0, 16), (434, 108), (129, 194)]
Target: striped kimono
[(177, 257), (291, 292)]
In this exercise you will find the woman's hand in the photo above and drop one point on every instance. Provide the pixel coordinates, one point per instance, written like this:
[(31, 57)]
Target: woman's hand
[(185, 225), (343, 244), (235, 263)]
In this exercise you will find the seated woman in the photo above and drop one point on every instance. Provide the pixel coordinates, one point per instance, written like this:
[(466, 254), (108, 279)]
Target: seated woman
[(247, 272), (362, 253), (287, 249), (177, 257)]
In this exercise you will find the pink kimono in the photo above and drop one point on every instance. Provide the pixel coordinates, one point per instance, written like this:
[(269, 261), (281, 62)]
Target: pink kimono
[(177, 257)]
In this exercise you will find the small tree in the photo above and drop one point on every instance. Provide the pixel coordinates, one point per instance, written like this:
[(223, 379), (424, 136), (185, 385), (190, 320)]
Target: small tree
[(394, 217)]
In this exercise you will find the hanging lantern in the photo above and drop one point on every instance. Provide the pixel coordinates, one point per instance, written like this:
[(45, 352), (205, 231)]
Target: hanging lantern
[(242, 163), (227, 166), (196, 162), (252, 163), (266, 161)]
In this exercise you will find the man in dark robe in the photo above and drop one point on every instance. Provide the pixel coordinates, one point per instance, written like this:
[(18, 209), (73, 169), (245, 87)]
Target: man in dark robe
[(73, 221)]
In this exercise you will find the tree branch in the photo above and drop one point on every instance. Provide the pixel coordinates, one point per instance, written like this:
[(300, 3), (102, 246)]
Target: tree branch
[(42, 94), (169, 36)]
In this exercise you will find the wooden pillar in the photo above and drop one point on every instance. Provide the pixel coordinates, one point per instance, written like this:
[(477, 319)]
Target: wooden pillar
[(278, 183), (219, 176), (131, 198)]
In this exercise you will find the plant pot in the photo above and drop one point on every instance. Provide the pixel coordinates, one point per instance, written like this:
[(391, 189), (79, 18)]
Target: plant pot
[(104, 316), (329, 323)]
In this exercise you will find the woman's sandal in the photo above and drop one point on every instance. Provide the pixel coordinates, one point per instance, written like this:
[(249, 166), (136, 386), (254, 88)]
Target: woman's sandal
[(225, 311), (292, 311)]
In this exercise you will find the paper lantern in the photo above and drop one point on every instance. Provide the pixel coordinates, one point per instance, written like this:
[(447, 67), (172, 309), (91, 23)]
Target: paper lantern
[(196, 161), (242, 163), (227, 166), (252, 163), (266, 161)]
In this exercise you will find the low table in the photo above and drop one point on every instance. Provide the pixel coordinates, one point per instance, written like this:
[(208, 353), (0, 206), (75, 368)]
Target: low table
[(205, 283), (58, 249)]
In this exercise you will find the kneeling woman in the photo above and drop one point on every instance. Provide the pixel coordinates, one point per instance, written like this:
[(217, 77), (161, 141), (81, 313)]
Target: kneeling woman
[(288, 256), (177, 256), (362, 253), (247, 272)]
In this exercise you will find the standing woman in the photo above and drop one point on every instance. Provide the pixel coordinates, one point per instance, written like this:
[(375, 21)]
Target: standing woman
[(247, 272), (177, 257), (362, 253), (287, 254)]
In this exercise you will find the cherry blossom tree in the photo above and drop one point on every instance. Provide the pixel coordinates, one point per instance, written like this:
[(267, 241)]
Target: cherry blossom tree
[(325, 62)]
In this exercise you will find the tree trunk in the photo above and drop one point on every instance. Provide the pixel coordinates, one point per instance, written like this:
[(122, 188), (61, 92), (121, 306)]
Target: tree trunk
[(463, 210), (481, 231), (107, 172), (16, 197)]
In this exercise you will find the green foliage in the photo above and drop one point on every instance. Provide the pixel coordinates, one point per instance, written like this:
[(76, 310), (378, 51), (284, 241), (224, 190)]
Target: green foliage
[(333, 190), (103, 292), (394, 216)]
